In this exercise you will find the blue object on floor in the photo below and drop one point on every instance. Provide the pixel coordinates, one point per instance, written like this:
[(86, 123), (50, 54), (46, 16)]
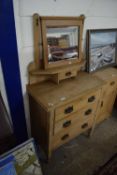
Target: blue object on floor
[(7, 166)]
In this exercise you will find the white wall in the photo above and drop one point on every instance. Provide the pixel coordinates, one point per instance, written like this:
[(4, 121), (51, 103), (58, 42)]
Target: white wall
[(99, 14)]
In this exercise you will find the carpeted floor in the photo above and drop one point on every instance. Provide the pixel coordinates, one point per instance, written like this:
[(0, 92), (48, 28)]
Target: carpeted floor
[(83, 155)]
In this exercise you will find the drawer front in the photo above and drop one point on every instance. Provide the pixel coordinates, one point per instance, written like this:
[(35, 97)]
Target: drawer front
[(67, 74), (77, 117), (110, 87), (70, 133), (70, 108)]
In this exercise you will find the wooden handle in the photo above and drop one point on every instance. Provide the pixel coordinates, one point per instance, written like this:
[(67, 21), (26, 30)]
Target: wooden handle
[(89, 111), (68, 73), (91, 99), (85, 125), (68, 110), (102, 104), (65, 137), (112, 83), (66, 124)]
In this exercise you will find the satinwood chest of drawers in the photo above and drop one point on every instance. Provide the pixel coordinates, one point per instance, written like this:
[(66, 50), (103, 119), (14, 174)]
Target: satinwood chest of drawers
[(61, 112)]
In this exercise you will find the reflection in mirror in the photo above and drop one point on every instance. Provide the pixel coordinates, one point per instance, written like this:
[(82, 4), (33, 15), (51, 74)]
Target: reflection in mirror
[(62, 43)]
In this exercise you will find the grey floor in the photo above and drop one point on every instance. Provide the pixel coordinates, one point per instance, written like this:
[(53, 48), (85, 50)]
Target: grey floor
[(83, 155)]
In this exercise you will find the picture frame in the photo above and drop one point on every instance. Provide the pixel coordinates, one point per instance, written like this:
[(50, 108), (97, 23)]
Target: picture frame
[(8, 169), (24, 159), (7, 166), (101, 48), (64, 53)]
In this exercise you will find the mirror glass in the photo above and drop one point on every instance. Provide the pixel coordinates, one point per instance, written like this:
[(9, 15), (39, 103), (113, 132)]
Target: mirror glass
[(62, 43)]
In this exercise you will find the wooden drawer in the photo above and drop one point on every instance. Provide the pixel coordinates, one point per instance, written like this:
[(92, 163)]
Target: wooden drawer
[(72, 132), (70, 108), (77, 117), (67, 74), (110, 87), (64, 75)]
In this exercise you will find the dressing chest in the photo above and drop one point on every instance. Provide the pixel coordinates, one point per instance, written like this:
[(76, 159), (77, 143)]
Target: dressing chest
[(65, 101), (61, 112)]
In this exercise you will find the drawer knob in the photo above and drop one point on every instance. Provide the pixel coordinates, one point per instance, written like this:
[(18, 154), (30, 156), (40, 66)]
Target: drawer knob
[(68, 73), (65, 137), (85, 125), (91, 99), (66, 124), (112, 83), (68, 110), (102, 103), (89, 111)]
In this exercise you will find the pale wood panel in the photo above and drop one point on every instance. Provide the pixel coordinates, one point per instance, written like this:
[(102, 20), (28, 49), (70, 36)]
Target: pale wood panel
[(59, 69), (39, 124), (70, 133), (54, 21), (67, 74), (49, 100), (37, 40), (51, 95), (68, 109), (102, 117), (107, 74), (77, 117), (109, 91), (54, 74)]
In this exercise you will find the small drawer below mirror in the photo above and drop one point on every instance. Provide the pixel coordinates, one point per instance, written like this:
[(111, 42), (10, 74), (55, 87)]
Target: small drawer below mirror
[(67, 74), (63, 75)]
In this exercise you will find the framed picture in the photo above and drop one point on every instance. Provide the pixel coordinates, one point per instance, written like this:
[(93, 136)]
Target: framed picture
[(8, 169), (7, 166), (24, 158), (101, 48)]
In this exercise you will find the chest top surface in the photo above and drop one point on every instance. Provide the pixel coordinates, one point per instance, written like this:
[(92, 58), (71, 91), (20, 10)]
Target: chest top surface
[(51, 95), (107, 74)]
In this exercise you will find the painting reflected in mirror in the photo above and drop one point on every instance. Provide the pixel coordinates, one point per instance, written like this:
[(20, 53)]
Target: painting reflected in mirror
[(62, 43)]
